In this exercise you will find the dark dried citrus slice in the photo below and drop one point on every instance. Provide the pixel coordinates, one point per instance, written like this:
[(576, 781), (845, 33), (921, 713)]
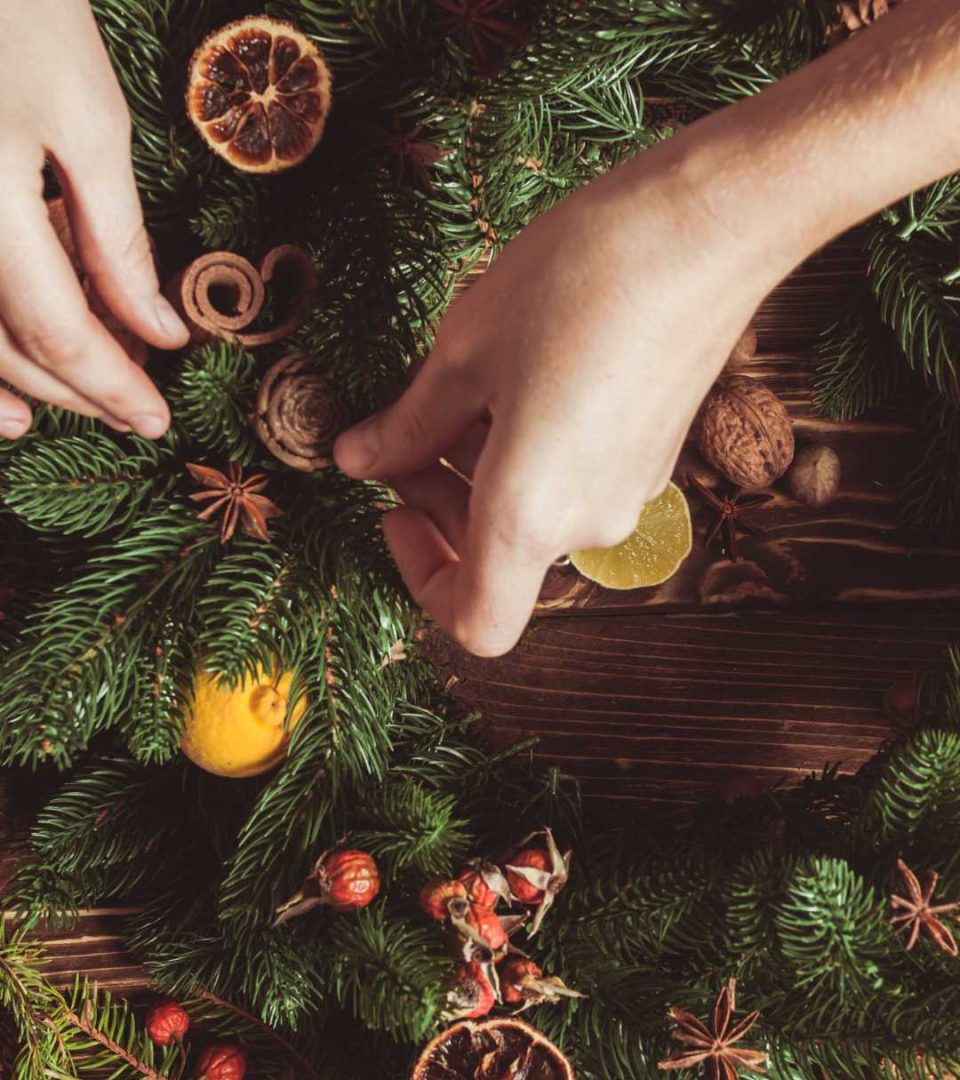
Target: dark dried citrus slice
[(258, 91), (499, 1049)]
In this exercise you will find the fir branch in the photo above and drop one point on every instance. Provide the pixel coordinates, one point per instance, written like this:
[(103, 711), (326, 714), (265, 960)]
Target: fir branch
[(388, 973), (405, 826), (930, 498), (212, 398), (28, 999), (861, 364), (76, 669), (83, 484), (918, 789), (828, 925), (908, 279)]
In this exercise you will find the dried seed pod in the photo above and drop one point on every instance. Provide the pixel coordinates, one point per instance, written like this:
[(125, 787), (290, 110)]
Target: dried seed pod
[(297, 416), (814, 476), (744, 432)]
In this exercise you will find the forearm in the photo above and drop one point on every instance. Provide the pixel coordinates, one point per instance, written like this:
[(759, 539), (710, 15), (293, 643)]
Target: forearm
[(836, 141)]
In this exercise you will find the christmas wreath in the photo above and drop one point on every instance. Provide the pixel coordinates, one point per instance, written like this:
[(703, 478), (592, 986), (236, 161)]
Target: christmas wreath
[(352, 884)]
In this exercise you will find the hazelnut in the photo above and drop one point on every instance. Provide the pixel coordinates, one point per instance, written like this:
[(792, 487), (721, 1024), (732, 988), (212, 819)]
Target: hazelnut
[(814, 476)]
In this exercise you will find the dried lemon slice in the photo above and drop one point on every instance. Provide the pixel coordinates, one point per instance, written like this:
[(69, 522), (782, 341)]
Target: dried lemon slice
[(651, 554)]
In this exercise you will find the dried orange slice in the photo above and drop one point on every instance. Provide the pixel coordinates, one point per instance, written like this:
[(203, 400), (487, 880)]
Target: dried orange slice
[(258, 91), (488, 1049), (653, 552)]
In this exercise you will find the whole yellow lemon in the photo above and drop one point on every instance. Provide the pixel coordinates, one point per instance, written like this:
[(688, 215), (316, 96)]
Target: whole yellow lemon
[(240, 732)]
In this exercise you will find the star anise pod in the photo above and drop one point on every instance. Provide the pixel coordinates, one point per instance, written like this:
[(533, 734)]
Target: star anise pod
[(916, 913), (715, 1049), (481, 26), (239, 500), (730, 522), (413, 153)]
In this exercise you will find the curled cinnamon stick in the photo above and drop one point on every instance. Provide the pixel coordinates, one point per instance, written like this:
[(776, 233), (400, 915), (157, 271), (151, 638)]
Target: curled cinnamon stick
[(221, 293), (125, 338), (297, 417)]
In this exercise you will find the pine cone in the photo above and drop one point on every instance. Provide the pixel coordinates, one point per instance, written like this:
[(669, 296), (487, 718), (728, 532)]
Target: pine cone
[(297, 417)]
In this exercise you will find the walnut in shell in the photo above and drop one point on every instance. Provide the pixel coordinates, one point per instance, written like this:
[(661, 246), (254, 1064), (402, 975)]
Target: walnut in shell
[(744, 432), (814, 476), (297, 416)]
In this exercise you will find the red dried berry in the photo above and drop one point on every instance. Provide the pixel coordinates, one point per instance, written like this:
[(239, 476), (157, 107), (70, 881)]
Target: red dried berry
[(343, 878), (536, 875), (350, 879), (166, 1022), (522, 982), (444, 898), (486, 883), (471, 993), (521, 884), (487, 928), (222, 1061)]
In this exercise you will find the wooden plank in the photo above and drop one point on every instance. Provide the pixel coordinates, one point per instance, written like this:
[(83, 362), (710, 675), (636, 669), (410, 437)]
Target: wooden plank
[(662, 710)]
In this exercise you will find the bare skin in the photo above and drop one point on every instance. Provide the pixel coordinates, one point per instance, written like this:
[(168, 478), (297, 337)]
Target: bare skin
[(564, 382), (59, 98)]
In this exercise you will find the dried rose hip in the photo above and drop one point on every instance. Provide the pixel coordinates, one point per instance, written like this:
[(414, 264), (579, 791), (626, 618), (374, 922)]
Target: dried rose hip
[(258, 91)]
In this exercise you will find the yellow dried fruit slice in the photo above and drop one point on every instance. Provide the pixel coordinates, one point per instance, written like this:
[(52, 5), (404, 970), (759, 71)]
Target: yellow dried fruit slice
[(258, 91), (651, 554)]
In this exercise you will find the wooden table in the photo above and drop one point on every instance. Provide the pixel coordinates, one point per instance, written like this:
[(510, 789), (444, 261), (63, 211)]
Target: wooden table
[(729, 674), (734, 673)]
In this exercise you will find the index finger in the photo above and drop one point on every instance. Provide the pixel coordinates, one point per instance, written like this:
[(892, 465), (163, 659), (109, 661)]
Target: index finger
[(45, 311)]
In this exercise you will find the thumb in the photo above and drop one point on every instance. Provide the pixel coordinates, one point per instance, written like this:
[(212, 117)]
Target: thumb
[(418, 428), (114, 248)]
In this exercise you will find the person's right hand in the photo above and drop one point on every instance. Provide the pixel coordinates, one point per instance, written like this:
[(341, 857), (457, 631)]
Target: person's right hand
[(59, 99)]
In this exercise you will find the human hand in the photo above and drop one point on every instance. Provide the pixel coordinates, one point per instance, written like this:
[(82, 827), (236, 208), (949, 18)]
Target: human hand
[(59, 99), (564, 381)]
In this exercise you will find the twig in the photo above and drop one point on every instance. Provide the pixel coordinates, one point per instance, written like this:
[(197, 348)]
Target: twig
[(85, 1024), (257, 1022)]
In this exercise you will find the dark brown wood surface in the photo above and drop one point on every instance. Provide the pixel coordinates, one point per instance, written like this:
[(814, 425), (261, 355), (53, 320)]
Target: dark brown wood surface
[(727, 676)]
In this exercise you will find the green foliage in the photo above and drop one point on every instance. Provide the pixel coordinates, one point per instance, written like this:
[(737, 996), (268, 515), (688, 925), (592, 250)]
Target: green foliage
[(211, 399), (83, 484)]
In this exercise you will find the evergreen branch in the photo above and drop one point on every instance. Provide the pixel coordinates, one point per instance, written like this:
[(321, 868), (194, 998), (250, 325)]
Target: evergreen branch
[(76, 668), (28, 999), (930, 498), (83, 484), (907, 278), (212, 398), (405, 826), (918, 788), (388, 973), (861, 365), (828, 924), (273, 612)]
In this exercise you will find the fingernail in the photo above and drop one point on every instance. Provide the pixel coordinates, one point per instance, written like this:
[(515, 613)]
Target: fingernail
[(167, 318), (358, 449), (150, 427), (13, 428)]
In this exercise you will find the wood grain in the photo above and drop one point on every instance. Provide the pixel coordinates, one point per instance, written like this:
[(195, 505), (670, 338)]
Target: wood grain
[(661, 710)]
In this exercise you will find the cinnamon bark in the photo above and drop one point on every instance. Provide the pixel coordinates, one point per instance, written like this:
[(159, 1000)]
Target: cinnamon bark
[(221, 293)]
